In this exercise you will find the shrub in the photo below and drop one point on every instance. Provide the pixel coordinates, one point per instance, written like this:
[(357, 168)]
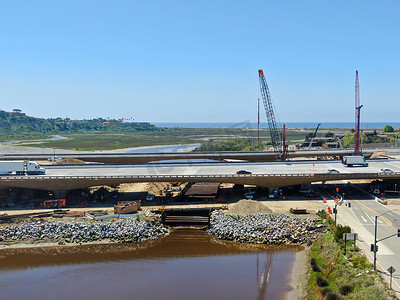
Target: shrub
[(340, 230), (345, 289), (322, 282), (330, 294), (321, 214), (333, 296), (314, 265)]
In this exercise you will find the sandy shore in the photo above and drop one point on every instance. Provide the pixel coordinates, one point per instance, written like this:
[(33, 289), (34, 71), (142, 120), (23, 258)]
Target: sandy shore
[(298, 275)]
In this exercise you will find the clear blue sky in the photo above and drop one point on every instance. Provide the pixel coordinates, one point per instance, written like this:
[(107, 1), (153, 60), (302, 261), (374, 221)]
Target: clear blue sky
[(197, 61)]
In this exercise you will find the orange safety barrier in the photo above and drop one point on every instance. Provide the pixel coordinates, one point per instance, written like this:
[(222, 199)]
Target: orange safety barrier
[(332, 264), (319, 292)]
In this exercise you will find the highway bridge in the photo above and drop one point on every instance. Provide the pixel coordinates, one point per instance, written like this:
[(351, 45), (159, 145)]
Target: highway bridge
[(143, 158), (60, 179)]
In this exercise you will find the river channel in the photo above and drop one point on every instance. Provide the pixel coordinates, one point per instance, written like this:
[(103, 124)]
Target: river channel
[(187, 264)]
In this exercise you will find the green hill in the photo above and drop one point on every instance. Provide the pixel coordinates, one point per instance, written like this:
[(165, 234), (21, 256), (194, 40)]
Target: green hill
[(17, 124)]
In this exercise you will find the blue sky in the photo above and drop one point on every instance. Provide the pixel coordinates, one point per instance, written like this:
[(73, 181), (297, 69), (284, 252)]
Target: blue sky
[(197, 61)]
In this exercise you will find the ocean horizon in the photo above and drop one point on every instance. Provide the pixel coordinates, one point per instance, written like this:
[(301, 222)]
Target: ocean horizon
[(245, 124)]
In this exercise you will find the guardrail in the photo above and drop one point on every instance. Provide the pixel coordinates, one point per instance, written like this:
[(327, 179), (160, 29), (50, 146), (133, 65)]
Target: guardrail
[(248, 176)]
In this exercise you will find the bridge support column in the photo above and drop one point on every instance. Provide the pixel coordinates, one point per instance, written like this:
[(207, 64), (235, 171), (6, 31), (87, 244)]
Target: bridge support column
[(271, 189)]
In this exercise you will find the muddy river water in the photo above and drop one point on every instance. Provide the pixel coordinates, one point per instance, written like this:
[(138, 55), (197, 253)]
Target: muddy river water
[(187, 264)]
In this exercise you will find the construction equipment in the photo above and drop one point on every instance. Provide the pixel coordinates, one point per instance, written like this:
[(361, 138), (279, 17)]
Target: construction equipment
[(56, 203), (127, 207), (357, 149), (314, 135), (276, 137)]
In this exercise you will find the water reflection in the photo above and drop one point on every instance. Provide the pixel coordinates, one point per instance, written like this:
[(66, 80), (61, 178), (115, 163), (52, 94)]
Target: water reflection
[(184, 265)]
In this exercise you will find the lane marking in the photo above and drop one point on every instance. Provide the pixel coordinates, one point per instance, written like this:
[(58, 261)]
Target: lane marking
[(364, 219), (387, 221), (372, 220)]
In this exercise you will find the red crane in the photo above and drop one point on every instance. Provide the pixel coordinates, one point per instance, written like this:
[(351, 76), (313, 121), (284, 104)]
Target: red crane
[(357, 149)]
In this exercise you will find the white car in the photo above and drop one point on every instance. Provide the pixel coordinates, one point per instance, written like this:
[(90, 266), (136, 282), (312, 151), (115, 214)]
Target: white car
[(386, 171), (333, 171)]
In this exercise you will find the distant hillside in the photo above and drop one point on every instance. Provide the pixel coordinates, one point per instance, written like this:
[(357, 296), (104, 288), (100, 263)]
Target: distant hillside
[(17, 122)]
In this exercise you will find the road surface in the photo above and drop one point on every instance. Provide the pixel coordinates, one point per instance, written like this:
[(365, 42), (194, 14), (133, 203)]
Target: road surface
[(360, 216), (306, 167)]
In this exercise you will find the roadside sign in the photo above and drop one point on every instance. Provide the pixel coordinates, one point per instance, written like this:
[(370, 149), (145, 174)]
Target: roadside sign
[(391, 270), (350, 236)]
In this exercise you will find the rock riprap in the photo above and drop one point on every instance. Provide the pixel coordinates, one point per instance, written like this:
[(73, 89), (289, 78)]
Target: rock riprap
[(127, 230), (263, 228)]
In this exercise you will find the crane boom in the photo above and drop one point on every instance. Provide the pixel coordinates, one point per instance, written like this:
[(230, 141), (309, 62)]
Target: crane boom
[(269, 111), (314, 135)]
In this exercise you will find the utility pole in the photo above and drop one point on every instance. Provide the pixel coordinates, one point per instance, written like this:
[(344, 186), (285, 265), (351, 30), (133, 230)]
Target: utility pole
[(335, 213)]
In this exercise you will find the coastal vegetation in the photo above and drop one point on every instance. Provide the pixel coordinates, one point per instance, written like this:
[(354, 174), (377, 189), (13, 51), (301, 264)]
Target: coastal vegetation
[(16, 124), (236, 144), (339, 275), (373, 136), (107, 134)]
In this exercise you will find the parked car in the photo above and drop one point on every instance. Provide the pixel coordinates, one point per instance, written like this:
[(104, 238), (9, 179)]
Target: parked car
[(252, 190), (333, 171), (313, 195), (249, 196), (149, 197), (305, 191), (243, 172), (386, 171)]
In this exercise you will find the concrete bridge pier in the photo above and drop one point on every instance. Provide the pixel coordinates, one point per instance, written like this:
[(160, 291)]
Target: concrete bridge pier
[(271, 189)]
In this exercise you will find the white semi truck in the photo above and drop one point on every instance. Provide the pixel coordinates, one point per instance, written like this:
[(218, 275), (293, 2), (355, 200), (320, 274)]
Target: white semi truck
[(20, 167), (354, 161)]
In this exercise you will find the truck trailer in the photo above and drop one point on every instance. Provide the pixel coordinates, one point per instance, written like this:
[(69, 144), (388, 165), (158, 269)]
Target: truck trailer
[(354, 161), (20, 167)]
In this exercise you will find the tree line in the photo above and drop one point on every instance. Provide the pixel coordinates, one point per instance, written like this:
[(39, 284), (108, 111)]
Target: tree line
[(18, 122)]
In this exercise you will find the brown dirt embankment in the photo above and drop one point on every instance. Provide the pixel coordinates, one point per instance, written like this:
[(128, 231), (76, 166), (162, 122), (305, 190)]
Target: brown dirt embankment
[(249, 207)]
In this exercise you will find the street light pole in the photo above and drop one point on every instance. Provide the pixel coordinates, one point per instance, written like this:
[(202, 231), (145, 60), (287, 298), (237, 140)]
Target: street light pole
[(376, 231), (376, 234), (335, 213)]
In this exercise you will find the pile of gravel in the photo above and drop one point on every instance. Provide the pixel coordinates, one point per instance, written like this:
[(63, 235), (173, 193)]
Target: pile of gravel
[(126, 230), (263, 228)]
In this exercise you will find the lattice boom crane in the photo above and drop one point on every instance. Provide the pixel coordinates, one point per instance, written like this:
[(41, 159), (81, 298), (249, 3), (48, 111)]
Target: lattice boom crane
[(269, 111), (357, 149)]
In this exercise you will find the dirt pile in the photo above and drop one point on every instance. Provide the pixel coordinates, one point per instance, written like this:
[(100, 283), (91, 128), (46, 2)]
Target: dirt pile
[(71, 161), (157, 188), (133, 187), (249, 207)]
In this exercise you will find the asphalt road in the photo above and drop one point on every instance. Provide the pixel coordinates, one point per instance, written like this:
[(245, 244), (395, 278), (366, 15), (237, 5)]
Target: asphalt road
[(360, 216), (220, 168)]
